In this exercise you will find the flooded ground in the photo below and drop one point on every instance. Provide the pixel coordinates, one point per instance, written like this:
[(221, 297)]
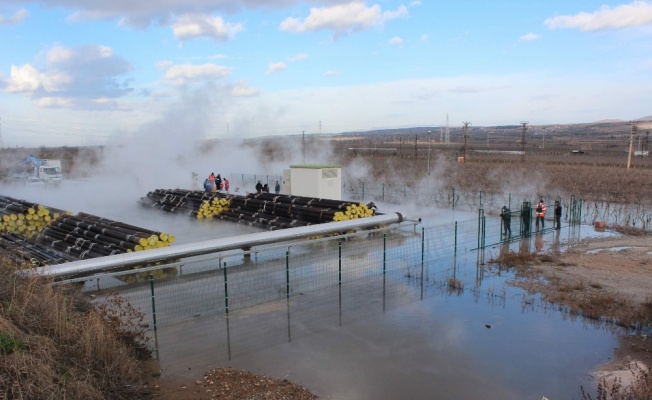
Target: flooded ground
[(380, 336)]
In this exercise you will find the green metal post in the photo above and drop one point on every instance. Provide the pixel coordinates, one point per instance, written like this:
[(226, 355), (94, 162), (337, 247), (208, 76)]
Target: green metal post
[(423, 252), (384, 266), (287, 274), (384, 253), (339, 278), (226, 293), (455, 250), (151, 286)]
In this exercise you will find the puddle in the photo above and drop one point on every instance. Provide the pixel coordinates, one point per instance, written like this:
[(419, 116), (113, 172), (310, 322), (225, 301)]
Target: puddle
[(614, 249)]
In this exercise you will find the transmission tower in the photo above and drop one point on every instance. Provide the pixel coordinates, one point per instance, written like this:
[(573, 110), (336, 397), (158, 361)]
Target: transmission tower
[(523, 129), (466, 136), (447, 132)]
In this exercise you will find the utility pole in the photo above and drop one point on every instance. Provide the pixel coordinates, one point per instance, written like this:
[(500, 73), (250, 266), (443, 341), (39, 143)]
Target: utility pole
[(631, 141), (466, 136), (303, 146), (523, 129), (429, 140), (416, 138), (1, 142)]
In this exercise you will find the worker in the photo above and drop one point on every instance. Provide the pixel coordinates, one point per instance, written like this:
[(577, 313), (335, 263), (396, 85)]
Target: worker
[(557, 215), (226, 185), (266, 188), (259, 187), (218, 182), (207, 185), (211, 178), (540, 213), (277, 188), (506, 217)]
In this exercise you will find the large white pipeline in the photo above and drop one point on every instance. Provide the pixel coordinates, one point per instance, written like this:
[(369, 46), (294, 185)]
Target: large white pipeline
[(86, 267)]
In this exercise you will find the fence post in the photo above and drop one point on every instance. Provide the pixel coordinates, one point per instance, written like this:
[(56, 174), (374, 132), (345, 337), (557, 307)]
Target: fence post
[(384, 266), (339, 277), (226, 293), (423, 251), (455, 250), (383, 192), (362, 191), (151, 286), (453, 189), (287, 291)]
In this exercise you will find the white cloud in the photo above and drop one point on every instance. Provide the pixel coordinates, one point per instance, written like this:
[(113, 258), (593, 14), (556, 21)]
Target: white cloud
[(298, 57), (276, 67), (342, 18), (241, 89), (54, 102), (71, 77), (396, 41), (193, 26), (637, 13), (528, 37), (184, 73), (332, 73), (15, 19), (425, 38)]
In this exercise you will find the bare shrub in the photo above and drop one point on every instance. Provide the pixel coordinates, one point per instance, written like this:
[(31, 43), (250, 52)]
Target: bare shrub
[(639, 389), (55, 346), (629, 230)]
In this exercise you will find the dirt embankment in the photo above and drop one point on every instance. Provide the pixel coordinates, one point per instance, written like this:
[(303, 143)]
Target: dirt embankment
[(608, 279)]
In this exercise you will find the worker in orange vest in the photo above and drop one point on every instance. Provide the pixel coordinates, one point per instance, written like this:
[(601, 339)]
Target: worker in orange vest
[(540, 213)]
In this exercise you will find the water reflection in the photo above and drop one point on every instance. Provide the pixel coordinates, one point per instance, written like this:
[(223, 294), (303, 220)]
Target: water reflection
[(437, 325)]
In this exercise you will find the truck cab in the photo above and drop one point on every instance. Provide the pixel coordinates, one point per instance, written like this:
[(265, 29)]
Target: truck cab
[(45, 170), (50, 171)]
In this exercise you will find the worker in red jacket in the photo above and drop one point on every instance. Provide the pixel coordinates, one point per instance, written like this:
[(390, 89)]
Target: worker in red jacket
[(540, 213)]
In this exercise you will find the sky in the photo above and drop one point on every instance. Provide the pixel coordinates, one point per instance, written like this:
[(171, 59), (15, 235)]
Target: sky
[(90, 72)]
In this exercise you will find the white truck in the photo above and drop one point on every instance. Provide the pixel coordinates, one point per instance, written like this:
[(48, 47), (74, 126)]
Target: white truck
[(32, 169)]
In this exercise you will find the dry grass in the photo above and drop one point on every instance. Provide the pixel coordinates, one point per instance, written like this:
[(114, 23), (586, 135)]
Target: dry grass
[(641, 389), (629, 230), (55, 345)]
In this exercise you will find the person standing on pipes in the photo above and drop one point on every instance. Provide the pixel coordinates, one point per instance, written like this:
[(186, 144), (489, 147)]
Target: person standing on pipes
[(540, 213), (211, 179), (218, 182), (226, 185)]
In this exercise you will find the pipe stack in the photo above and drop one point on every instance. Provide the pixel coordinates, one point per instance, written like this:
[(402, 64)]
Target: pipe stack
[(213, 207), (272, 211), (26, 218), (180, 201), (27, 251), (42, 235)]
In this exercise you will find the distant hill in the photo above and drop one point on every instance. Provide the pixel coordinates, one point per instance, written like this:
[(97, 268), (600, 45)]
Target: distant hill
[(608, 121)]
